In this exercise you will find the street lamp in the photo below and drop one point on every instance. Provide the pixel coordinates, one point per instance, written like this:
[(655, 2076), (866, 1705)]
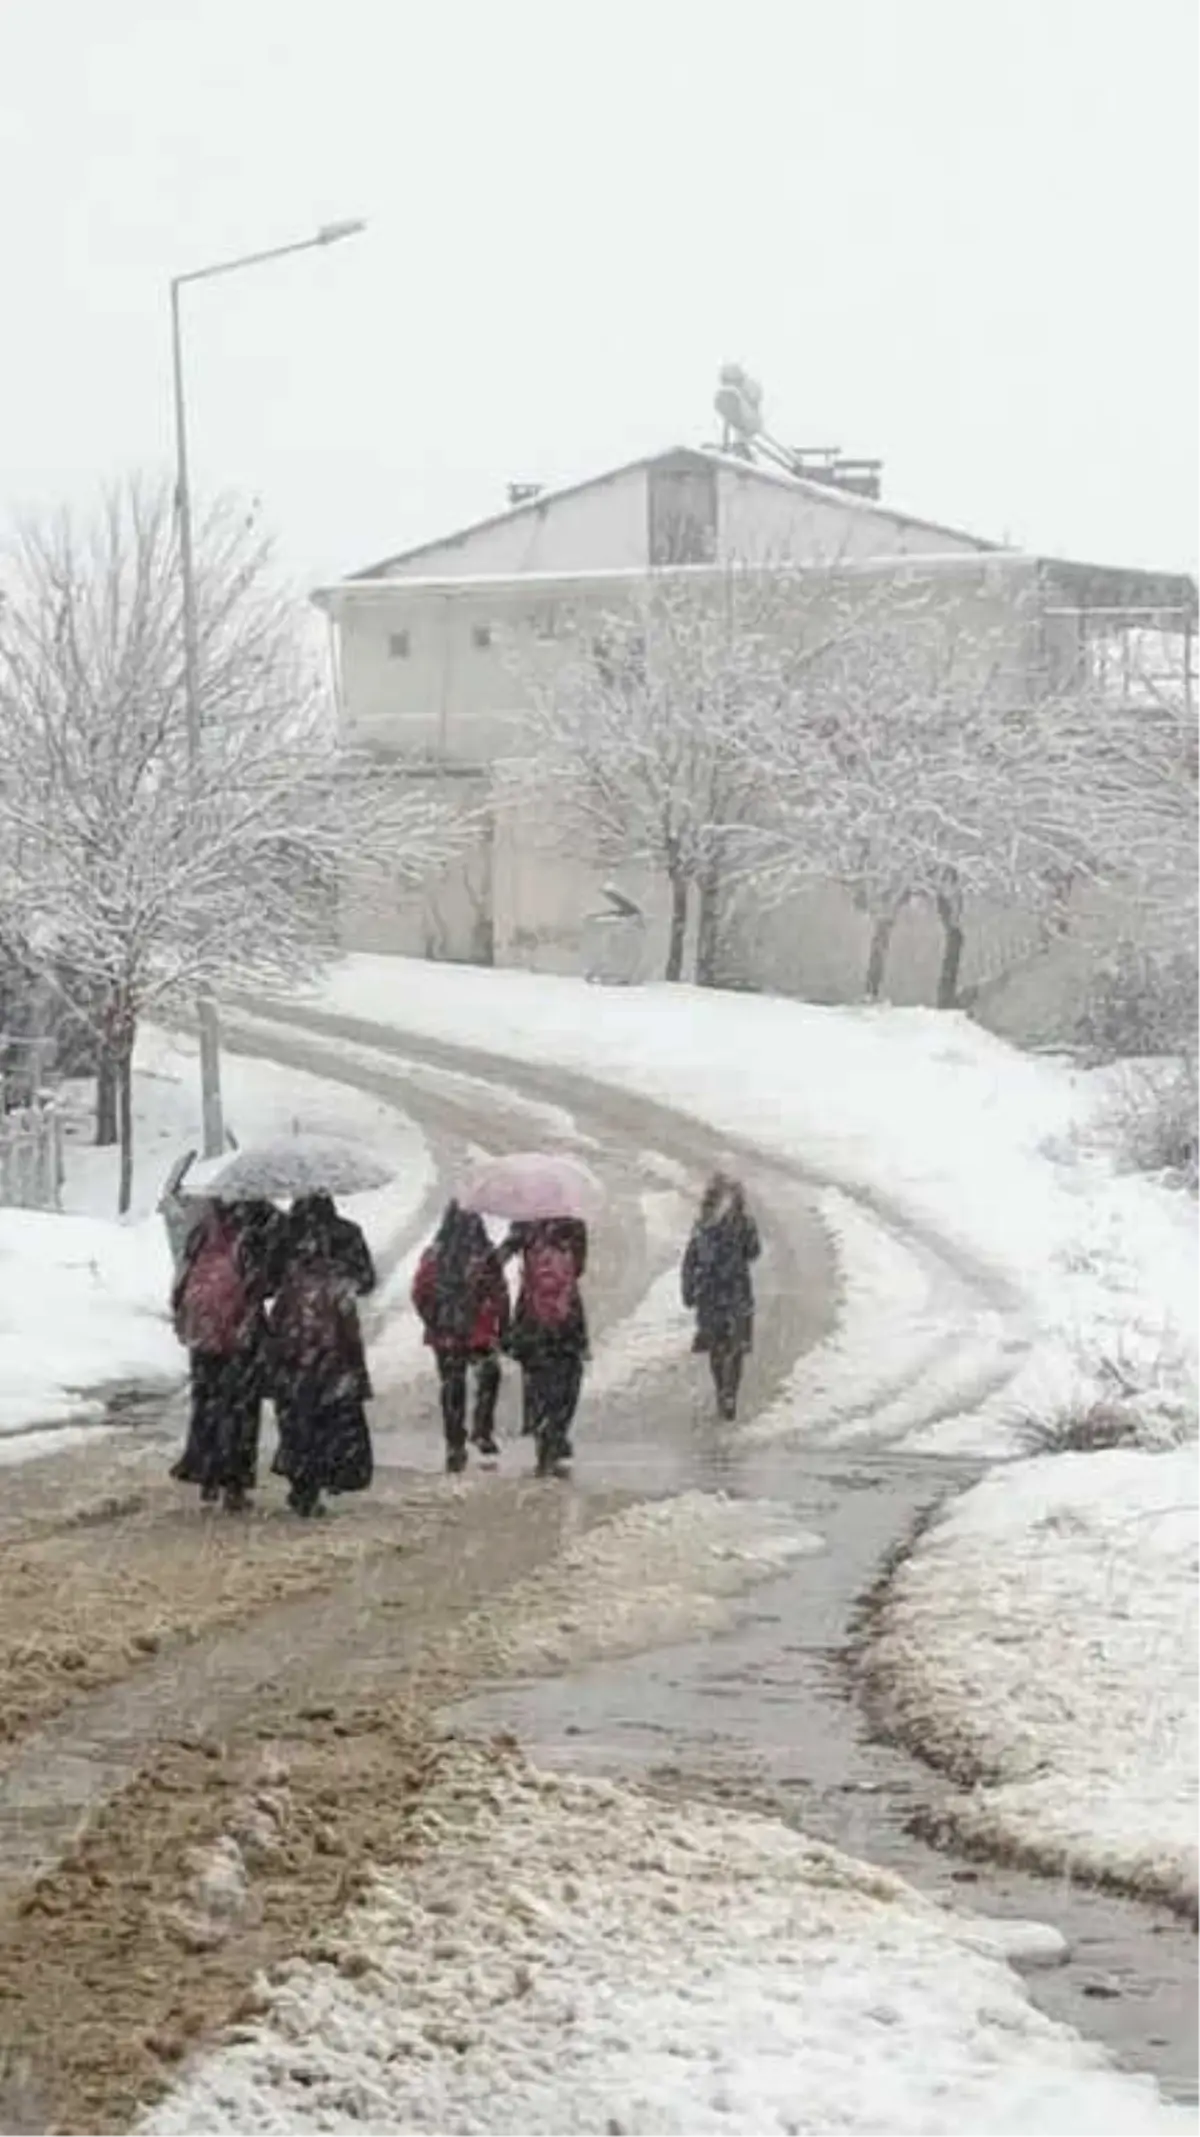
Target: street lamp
[(206, 1008)]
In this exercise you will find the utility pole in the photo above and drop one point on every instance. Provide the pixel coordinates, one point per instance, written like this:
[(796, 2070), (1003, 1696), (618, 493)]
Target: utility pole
[(206, 1007)]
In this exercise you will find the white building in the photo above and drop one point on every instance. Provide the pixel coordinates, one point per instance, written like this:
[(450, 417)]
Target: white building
[(433, 649)]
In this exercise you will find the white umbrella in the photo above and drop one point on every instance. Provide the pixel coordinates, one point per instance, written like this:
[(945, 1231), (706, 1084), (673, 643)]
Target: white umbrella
[(292, 1165), (530, 1184)]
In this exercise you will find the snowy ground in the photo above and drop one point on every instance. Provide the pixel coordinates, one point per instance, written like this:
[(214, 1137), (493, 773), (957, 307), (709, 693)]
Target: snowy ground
[(566, 1955), (945, 1133), (655, 1573), (1045, 1634), (83, 1295)]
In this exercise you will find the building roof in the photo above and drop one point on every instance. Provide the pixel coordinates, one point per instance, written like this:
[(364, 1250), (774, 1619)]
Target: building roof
[(702, 456), (1098, 587)]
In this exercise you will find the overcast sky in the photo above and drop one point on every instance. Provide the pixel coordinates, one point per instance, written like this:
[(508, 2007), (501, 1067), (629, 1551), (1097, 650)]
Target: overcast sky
[(958, 234)]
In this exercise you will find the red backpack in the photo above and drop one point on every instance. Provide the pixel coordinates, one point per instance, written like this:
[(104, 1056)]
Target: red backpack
[(214, 1307), (550, 1284)]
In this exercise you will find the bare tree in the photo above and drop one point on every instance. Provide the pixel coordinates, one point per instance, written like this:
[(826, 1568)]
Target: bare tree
[(149, 875), (642, 746)]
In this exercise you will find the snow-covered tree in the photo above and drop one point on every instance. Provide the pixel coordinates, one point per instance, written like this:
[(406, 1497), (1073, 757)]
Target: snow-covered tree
[(144, 874), (925, 759), (642, 747)]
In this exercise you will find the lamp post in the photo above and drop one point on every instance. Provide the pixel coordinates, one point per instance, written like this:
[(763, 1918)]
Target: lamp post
[(206, 1008)]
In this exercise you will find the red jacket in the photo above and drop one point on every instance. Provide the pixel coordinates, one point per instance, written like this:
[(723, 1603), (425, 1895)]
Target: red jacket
[(489, 1304)]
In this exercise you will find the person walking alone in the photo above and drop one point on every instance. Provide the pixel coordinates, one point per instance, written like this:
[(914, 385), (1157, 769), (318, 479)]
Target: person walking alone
[(460, 1293), (716, 1285)]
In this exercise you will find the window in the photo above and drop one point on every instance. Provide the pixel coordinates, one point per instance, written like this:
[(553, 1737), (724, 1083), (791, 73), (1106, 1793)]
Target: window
[(481, 636), (399, 645)]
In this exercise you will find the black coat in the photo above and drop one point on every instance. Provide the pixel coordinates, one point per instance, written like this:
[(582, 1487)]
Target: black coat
[(716, 1280)]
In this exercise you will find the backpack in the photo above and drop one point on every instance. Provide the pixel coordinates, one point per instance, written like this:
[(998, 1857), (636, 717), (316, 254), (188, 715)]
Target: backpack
[(550, 1285), (455, 1300), (214, 1308)]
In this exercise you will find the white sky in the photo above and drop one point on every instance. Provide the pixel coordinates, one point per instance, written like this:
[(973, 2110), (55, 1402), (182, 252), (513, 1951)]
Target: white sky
[(960, 234)]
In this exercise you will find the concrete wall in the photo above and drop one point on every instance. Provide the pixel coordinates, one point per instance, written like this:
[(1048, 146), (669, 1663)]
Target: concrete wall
[(460, 701), (473, 650)]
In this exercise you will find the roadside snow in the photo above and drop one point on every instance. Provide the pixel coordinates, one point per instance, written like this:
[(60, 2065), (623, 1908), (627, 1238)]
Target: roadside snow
[(83, 1295), (82, 1307), (1045, 1632), (989, 1155), (563, 1955)]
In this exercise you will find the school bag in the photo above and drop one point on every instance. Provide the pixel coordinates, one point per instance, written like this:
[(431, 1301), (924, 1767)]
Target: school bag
[(214, 1309), (550, 1285)]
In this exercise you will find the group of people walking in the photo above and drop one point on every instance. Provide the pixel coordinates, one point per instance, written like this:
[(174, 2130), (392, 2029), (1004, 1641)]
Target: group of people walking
[(461, 1293), (267, 1307)]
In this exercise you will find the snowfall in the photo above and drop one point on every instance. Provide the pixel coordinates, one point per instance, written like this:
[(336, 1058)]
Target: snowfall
[(566, 1956), (83, 1296)]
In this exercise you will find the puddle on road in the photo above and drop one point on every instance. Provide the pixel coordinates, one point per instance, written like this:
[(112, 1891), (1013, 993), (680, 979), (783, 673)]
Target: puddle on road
[(760, 1718)]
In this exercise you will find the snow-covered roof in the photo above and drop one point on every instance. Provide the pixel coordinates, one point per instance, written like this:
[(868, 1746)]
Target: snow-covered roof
[(801, 486), (1149, 590)]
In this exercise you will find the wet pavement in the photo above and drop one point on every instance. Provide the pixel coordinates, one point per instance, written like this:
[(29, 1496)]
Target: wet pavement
[(764, 1717)]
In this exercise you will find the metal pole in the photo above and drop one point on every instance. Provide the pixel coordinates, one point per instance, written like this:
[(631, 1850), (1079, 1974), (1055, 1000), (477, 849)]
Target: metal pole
[(206, 1008)]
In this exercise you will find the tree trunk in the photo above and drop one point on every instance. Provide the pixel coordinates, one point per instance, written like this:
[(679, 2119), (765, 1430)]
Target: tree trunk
[(708, 932), (106, 1093), (679, 921), (881, 942), (125, 1119), (949, 912)]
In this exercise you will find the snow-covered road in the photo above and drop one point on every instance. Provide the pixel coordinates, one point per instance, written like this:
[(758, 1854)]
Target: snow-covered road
[(959, 1332)]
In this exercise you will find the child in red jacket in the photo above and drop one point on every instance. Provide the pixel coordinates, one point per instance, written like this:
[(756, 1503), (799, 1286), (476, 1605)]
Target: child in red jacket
[(461, 1295)]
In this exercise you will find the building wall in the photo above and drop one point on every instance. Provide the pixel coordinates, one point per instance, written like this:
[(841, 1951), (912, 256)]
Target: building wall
[(474, 650), (460, 701)]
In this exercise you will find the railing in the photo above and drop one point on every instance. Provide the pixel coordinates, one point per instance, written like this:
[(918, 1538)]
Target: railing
[(31, 1157)]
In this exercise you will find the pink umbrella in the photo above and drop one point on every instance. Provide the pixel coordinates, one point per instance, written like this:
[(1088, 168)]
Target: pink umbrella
[(532, 1184)]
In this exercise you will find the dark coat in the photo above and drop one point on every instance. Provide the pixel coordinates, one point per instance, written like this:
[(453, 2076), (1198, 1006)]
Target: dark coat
[(319, 1240), (716, 1280), (486, 1310)]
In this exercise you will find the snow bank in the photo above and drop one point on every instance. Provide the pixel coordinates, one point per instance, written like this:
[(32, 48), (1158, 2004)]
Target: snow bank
[(82, 1307), (83, 1296), (657, 1572), (564, 1955), (984, 1152), (1044, 1632)]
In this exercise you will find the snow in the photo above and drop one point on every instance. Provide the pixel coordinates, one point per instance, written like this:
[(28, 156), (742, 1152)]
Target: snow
[(562, 1955), (964, 1146), (83, 1295), (655, 1573), (1045, 1630), (659, 1327)]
